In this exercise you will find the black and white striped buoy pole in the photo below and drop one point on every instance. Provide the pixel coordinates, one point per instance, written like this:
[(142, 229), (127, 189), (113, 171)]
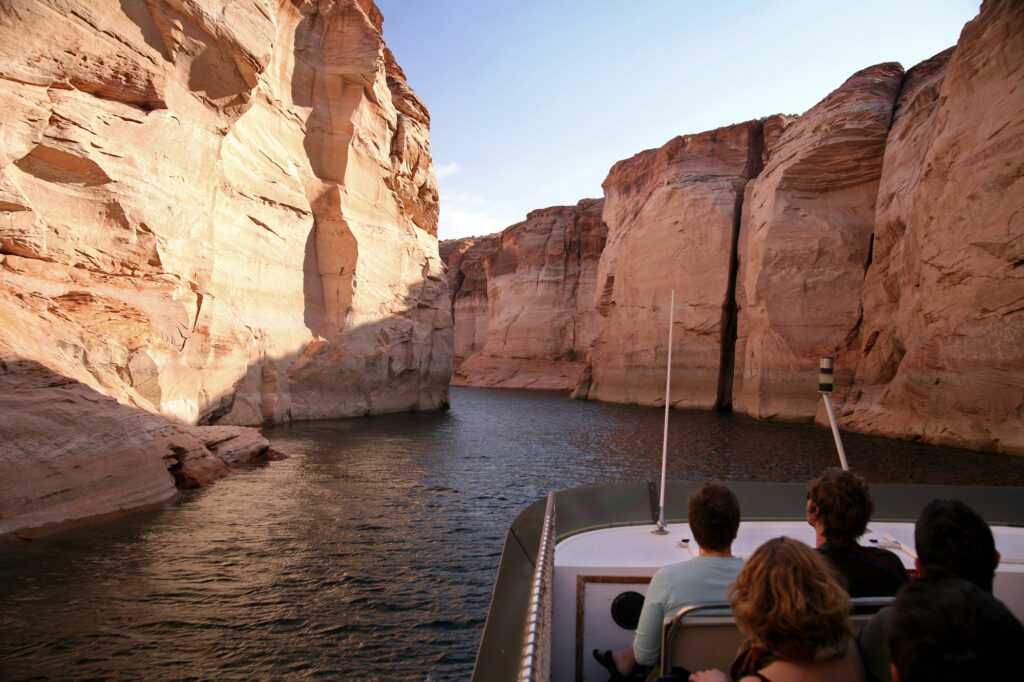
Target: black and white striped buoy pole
[(825, 388)]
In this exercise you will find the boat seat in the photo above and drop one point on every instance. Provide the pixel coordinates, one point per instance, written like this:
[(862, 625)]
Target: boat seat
[(700, 637), (706, 636)]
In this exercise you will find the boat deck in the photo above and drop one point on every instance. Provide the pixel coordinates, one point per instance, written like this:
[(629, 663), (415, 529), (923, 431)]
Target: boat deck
[(604, 547), (594, 567)]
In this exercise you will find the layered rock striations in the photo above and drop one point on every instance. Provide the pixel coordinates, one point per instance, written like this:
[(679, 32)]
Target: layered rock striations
[(884, 227), (467, 282), (673, 217), (940, 353), (220, 213), (806, 242), (523, 299)]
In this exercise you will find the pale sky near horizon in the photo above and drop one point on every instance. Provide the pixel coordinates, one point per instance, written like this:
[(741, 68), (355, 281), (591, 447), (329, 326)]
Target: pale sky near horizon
[(532, 102)]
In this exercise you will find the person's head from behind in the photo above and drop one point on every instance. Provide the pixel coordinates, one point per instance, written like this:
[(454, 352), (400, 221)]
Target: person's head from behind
[(713, 513), (840, 503), (787, 591), (952, 538), (951, 629)]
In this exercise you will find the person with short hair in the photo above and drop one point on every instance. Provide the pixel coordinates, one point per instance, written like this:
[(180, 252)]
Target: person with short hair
[(951, 540), (713, 513), (950, 629), (797, 615), (839, 507), (951, 537)]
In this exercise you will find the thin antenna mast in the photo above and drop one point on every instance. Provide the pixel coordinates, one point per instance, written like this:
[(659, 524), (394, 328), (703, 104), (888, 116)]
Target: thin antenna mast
[(662, 529)]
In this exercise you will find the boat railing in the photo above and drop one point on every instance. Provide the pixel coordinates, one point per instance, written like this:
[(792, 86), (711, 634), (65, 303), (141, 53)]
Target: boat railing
[(536, 666)]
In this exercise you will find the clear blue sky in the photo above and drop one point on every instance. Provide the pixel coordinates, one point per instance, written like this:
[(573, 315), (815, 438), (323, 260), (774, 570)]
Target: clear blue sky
[(531, 102)]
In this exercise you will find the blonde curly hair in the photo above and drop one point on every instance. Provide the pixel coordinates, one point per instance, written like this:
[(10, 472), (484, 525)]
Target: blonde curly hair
[(787, 591)]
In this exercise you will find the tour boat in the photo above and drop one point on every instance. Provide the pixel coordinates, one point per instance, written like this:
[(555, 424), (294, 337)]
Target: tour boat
[(575, 564), (570, 562)]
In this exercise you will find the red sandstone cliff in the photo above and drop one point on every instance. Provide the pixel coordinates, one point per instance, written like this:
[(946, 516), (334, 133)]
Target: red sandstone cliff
[(673, 215), (884, 226), (939, 355), (210, 211), (523, 299), (805, 244)]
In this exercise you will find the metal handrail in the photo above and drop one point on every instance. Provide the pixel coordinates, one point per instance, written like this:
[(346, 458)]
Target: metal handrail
[(536, 666)]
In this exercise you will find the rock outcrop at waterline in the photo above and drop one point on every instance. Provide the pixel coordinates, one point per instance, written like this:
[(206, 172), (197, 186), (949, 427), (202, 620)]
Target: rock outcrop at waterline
[(523, 300), (219, 213), (885, 228)]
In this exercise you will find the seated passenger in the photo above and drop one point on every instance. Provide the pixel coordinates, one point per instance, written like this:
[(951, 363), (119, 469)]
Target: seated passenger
[(839, 508), (951, 540), (787, 599), (951, 629), (713, 513)]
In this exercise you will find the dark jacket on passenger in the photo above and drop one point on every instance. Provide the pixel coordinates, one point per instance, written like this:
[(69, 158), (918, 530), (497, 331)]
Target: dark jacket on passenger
[(867, 571)]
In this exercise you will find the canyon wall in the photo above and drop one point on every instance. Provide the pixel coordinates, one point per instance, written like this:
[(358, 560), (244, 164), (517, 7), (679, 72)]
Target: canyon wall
[(940, 352), (215, 212), (806, 241), (523, 299), (884, 227), (673, 217)]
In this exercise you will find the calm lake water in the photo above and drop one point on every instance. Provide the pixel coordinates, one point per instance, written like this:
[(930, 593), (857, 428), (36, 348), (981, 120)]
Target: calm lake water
[(371, 552)]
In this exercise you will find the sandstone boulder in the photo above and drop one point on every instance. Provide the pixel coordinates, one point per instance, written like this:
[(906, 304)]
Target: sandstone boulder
[(71, 454)]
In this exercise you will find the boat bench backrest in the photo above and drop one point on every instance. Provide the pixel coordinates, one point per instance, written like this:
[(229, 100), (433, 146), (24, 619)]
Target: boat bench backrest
[(697, 639), (702, 636)]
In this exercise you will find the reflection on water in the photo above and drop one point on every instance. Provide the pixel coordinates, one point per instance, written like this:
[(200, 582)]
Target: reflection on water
[(371, 552)]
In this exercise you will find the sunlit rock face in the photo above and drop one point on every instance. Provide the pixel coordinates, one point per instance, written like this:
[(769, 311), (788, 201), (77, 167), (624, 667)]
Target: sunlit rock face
[(523, 299), (219, 212), (673, 215), (940, 352), (806, 241)]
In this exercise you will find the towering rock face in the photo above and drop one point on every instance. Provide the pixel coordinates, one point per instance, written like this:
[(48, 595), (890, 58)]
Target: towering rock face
[(673, 215), (218, 212), (806, 243), (523, 299), (940, 353), (467, 282)]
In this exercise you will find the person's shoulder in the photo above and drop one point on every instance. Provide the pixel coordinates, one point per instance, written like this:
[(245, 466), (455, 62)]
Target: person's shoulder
[(883, 553)]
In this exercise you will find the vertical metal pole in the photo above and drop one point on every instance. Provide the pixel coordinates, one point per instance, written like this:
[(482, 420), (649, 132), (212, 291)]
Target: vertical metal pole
[(662, 529), (825, 388)]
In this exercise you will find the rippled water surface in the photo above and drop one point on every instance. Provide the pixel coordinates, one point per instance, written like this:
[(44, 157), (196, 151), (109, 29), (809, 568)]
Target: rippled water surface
[(371, 552)]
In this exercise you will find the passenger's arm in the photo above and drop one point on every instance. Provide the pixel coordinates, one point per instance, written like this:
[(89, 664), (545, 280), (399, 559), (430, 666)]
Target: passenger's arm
[(647, 641)]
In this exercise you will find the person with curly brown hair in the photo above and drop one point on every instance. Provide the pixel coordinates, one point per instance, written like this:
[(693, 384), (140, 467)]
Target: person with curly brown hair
[(839, 507), (797, 617)]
